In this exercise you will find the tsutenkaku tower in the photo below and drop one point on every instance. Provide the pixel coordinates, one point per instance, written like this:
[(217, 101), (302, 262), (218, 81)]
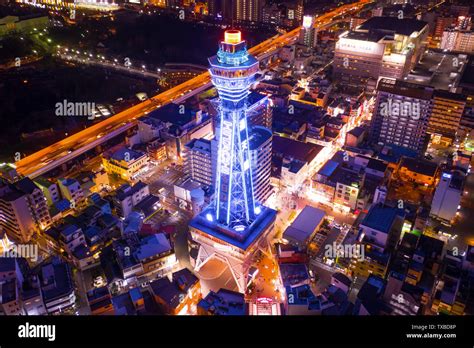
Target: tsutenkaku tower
[(233, 72)]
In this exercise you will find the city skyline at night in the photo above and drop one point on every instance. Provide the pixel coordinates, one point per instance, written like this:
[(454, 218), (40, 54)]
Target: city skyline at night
[(241, 158)]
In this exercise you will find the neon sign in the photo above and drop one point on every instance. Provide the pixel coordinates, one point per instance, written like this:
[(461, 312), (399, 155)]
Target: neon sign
[(226, 141)]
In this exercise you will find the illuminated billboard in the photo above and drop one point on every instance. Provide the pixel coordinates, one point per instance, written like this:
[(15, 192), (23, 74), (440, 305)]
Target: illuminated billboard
[(360, 46)]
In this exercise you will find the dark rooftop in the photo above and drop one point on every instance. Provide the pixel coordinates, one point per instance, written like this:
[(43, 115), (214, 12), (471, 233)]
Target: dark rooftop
[(299, 150), (419, 166), (381, 217), (404, 26), (406, 89), (224, 302), (167, 291)]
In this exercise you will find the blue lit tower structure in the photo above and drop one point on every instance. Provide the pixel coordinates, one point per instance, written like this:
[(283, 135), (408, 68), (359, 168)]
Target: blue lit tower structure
[(233, 71), (234, 226)]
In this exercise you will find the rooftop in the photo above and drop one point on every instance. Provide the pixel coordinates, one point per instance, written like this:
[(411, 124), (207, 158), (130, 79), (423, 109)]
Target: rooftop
[(224, 302), (377, 165), (258, 135), (357, 131), (295, 149), (126, 190), (126, 154), (441, 70), (328, 169), (153, 245), (403, 88), (184, 279), (419, 166), (381, 218), (56, 280), (170, 113), (167, 291), (7, 264), (305, 224), (401, 26), (341, 277), (293, 274), (200, 145)]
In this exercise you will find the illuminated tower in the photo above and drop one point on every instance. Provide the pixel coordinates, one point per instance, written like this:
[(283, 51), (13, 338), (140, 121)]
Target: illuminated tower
[(234, 226), (233, 71)]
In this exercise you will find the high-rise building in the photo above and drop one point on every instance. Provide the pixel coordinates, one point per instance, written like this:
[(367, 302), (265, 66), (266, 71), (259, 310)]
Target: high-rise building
[(248, 10), (234, 226), (198, 161), (260, 140), (259, 112), (447, 197), (308, 34), (213, 7), (380, 47), (401, 114), (271, 14), (23, 209), (294, 13), (446, 116)]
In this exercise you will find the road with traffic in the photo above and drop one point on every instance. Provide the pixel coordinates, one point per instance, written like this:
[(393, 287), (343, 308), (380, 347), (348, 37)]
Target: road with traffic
[(67, 149)]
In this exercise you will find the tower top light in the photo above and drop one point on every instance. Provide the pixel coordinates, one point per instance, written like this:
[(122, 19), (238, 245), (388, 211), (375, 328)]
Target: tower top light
[(232, 36)]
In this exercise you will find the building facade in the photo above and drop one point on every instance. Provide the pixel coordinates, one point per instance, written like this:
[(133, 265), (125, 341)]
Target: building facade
[(198, 161), (401, 114), (445, 118), (447, 197), (23, 209)]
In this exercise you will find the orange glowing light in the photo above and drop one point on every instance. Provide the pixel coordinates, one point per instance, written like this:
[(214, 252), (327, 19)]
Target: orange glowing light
[(232, 36)]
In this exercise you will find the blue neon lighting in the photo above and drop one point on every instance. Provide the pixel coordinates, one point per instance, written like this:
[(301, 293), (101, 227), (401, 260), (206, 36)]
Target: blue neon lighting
[(233, 72)]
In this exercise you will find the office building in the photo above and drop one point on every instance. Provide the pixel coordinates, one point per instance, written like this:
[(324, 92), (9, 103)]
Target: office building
[(198, 161), (401, 114), (234, 226), (380, 47)]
